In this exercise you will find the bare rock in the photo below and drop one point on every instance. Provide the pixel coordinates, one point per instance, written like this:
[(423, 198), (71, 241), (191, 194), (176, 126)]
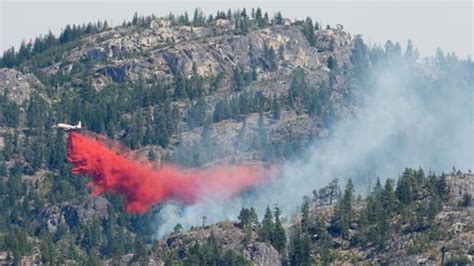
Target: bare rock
[(460, 185), (261, 253), (73, 214), (18, 85)]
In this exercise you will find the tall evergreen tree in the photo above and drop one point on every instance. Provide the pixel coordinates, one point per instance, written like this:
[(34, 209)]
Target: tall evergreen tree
[(308, 31), (268, 226), (276, 113), (279, 235)]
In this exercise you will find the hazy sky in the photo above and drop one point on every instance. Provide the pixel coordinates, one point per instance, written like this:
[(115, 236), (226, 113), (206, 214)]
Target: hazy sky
[(430, 24)]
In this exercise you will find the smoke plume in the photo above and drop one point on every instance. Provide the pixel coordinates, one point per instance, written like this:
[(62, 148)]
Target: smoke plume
[(142, 186), (409, 118), (406, 120)]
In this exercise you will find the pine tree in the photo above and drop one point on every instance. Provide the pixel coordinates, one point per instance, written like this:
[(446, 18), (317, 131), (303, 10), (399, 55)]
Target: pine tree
[(300, 250), (442, 187), (308, 31), (198, 19), (9, 58), (344, 212), (197, 113), (377, 191), (389, 199), (268, 226), (270, 57), (260, 19), (244, 218), (332, 64), (279, 235), (278, 18), (238, 79), (253, 216), (265, 19), (244, 22), (275, 109), (305, 219), (360, 58)]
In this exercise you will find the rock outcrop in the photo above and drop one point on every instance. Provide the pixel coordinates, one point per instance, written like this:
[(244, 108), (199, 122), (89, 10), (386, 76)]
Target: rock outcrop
[(228, 235), (73, 214), (17, 85)]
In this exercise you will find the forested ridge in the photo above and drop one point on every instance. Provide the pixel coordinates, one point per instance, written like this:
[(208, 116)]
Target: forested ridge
[(196, 90)]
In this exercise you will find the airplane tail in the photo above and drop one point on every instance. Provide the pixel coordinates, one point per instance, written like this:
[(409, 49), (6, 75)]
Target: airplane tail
[(79, 124)]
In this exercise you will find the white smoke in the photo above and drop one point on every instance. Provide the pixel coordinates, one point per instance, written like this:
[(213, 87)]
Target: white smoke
[(405, 122)]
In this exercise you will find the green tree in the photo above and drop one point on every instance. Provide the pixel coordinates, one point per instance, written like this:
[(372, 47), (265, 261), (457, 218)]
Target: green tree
[(199, 20), (298, 87), (276, 113), (268, 226), (253, 216), (270, 57), (360, 59), (305, 219), (331, 63), (9, 58), (389, 199), (278, 18), (344, 211), (333, 189), (281, 52), (404, 190), (466, 200), (260, 19), (244, 218), (140, 250), (300, 250), (238, 79), (197, 113), (308, 31), (244, 22), (442, 187), (279, 236)]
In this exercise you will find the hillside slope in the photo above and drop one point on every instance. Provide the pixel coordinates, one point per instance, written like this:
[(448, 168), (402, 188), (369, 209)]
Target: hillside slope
[(227, 89)]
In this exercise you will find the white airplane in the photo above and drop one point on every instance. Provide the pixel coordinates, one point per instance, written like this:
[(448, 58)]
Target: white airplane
[(67, 127)]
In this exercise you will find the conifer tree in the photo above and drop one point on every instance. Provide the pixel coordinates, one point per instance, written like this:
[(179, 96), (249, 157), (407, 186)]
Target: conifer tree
[(300, 250), (276, 113), (268, 225), (279, 235), (389, 199), (308, 31), (305, 219)]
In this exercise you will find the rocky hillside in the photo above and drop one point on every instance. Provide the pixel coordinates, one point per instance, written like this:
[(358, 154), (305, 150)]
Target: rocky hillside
[(230, 88), (201, 70), (446, 235), (237, 86)]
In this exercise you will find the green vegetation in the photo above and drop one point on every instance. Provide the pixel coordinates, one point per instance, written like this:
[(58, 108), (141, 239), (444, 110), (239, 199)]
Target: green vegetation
[(308, 31), (387, 212), (36, 186)]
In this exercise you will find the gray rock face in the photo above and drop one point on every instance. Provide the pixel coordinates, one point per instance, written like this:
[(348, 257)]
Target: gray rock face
[(73, 214), (262, 254), (460, 185), (116, 74), (161, 51), (229, 236), (18, 85)]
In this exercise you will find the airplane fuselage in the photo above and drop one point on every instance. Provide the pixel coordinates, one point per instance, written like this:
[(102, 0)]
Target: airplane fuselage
[(67, 127)]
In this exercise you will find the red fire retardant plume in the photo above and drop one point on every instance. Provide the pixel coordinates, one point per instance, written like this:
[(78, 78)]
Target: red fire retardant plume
[(142, 186)]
